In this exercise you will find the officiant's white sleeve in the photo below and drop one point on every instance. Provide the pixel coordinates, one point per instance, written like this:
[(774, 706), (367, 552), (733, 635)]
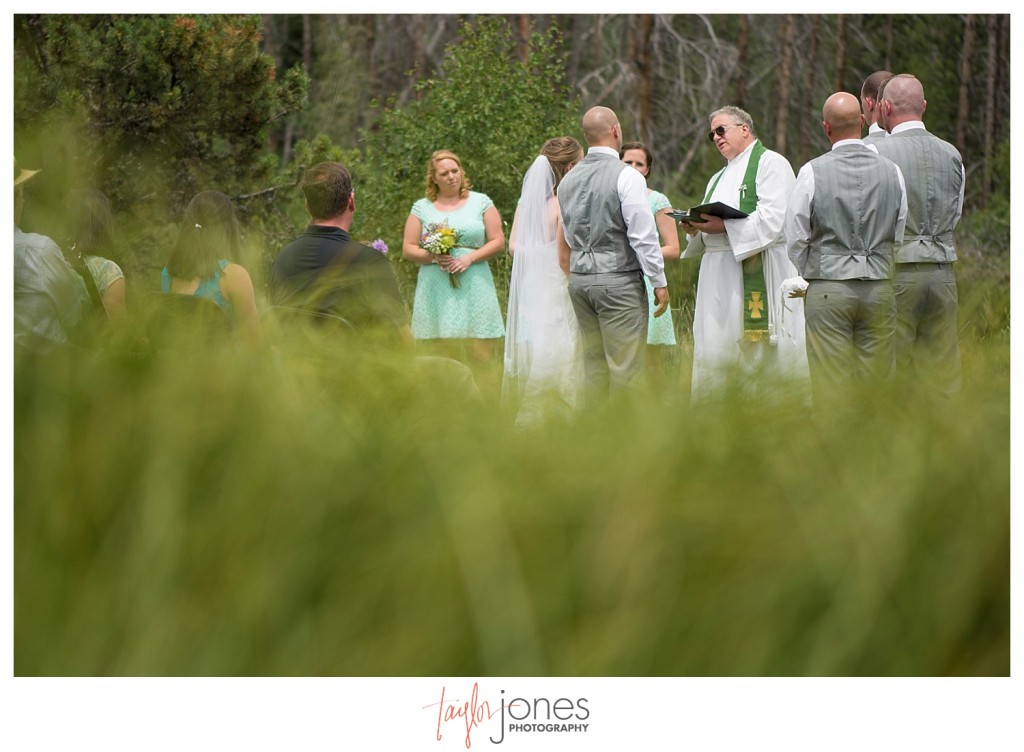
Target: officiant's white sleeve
[(640, 226), (763, 228)]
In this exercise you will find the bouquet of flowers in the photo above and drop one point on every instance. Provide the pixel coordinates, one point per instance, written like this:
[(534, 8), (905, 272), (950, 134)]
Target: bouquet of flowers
[(438, 239)]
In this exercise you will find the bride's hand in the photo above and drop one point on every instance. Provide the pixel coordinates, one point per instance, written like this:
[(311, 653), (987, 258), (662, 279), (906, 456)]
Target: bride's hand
[(661, 301)]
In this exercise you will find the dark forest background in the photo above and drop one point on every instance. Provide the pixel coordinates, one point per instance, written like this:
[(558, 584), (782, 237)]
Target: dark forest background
[(154, 108)]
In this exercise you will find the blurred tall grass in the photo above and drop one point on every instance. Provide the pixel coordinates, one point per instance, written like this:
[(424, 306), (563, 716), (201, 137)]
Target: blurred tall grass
[(336, 507)]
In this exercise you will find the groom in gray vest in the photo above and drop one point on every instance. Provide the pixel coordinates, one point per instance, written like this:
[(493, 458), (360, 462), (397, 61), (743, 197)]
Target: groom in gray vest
[(847, 211), (613, 243)]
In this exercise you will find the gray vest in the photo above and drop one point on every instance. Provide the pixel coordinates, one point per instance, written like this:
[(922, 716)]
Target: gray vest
[(592, 214), (874, 138), (854, 211), (933, 171)]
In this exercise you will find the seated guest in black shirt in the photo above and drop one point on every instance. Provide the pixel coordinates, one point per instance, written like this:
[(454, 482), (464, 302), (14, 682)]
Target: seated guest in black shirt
[(324, 271)]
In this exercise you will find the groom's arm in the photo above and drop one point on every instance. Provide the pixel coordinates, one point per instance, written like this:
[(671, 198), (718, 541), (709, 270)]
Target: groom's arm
[(640, 227), (563, 253)]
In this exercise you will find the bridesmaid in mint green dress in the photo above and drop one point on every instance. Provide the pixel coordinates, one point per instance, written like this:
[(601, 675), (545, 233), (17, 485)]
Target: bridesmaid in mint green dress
[(469, 311), (661, 330)]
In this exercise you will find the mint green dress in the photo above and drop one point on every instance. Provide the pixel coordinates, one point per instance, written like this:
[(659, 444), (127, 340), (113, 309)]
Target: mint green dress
[(104, 272), (661, 330), (470, 311)]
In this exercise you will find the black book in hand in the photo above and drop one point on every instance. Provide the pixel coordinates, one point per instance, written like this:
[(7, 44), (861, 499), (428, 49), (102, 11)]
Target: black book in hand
[(715, 209)]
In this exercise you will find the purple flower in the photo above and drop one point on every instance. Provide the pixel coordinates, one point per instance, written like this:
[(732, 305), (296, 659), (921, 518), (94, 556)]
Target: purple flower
[(379, 245)]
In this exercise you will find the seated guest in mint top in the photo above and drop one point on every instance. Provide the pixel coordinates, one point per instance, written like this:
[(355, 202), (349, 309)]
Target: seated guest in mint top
[(200, 262), (325, 271), (89, 224)]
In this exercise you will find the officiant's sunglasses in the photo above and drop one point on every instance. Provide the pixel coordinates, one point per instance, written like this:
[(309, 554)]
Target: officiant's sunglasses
[(720, 131)]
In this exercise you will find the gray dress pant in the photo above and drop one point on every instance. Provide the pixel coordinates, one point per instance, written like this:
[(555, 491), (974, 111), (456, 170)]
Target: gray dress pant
[(849, 326), (611, 308), (927, 347)]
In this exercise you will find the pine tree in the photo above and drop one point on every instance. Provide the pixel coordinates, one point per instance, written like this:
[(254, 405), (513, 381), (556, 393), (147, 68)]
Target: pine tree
[(149, 108)]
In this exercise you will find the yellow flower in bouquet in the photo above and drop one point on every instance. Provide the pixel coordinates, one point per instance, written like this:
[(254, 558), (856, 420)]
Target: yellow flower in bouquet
[(438, 239)]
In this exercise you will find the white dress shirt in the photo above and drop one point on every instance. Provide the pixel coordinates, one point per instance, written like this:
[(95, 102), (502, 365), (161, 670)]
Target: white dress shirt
[(636, 213)]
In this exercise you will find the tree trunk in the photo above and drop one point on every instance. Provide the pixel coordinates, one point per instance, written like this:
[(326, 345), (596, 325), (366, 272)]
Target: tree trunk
[(788, 32), (307, 42), (523, 41), (742, 57), (575, 33), (419, 55), (643, 70), (372, 77), (887, 59), (272, 39), (598, 37), (840, 53), (990, 107), (1003, 102), (963, 113), (272, 46), (286, 145), (812, 57)]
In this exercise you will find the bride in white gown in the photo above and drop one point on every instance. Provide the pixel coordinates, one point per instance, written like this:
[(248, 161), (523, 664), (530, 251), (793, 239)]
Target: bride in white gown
[(543, 361)]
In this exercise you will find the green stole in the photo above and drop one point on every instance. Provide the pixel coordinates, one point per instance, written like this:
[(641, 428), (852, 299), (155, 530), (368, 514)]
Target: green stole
[(755, 291)]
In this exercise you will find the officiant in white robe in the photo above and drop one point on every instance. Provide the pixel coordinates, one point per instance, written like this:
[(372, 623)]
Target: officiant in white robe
[(736, 328)]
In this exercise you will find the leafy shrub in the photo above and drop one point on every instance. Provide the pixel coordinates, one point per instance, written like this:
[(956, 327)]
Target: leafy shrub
[(487, 106), (151, 108)]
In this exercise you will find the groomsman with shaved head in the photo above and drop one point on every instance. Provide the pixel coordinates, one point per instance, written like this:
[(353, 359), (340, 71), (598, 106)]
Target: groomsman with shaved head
[(846, 213), (927, 348)]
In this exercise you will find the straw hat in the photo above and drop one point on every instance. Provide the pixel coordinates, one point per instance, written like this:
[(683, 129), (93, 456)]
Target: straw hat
[(20, 176)]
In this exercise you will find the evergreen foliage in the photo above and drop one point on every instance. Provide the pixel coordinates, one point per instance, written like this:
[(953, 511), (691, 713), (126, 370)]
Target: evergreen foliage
[(152, 108), (487, 106)]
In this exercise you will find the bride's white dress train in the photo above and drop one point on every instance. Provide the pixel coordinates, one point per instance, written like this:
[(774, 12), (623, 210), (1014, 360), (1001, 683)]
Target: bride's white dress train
[(543, 360)]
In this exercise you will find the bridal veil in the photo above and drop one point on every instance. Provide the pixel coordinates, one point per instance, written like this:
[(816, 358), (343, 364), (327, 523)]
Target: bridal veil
[(542, 356)]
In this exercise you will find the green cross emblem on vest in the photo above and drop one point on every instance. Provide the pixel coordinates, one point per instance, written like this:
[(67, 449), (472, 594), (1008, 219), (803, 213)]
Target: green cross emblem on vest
[(755, 304)]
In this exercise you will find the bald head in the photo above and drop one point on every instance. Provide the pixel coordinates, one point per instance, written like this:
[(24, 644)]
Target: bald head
[(841, 116), (903, 98), (601, 128)]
